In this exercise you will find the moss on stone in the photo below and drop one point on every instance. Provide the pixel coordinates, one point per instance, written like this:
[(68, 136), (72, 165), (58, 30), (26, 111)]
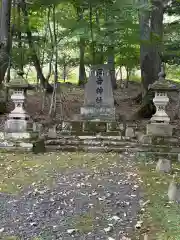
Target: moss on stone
[(39, 146), (3, 108), (77, 126), (95, 126)]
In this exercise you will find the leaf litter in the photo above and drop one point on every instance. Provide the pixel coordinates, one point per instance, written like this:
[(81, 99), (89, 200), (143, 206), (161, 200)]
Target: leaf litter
[(60, 195)]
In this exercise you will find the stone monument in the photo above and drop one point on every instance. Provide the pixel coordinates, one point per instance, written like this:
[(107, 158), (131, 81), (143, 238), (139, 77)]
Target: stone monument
[(99, 99), (160, 121)]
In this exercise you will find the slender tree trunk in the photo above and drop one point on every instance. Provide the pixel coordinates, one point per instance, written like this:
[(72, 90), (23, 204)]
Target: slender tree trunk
[(35, 58), (92, 33), (101, 57), (127, 77), (52, 45), (52, 109), (82, 72), (111, 63), (5, 37), (20, 38)]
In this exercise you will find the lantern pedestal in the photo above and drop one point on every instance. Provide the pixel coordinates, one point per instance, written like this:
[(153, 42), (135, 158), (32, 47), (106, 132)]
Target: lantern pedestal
[(159, 129)]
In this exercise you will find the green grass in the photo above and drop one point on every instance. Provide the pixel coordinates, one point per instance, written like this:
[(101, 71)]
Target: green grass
[(18, 171), (162, 218), (85, 223)]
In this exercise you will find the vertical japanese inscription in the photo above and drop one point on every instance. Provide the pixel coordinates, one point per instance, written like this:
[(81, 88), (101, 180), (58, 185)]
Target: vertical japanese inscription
[(99, 89)]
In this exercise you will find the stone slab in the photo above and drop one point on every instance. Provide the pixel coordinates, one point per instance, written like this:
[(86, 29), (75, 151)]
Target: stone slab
[(15, 125), (155, 129), (18, 135), (101, 113)]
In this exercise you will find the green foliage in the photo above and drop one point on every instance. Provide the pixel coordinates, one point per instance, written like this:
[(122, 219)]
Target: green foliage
[(113, 23)]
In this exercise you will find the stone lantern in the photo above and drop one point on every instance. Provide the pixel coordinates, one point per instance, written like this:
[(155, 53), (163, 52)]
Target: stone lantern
[(18, 122), (159, 123)]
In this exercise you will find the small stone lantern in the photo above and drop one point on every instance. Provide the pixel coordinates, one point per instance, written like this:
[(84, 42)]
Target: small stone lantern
[(18, 122), (160, 120)]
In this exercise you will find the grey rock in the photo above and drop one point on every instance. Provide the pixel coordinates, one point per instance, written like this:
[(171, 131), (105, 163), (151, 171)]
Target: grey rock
[(174, 192), (163, 165), (52, 132), (129, 132)]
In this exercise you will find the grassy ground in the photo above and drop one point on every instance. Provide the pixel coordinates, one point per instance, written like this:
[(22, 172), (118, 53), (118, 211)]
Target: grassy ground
[(162, 219), (17, 171)]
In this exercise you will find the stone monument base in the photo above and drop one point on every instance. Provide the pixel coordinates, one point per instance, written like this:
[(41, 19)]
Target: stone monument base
[(17, 125), (18, 135), (159, 129), (100, 113), (21, 142)]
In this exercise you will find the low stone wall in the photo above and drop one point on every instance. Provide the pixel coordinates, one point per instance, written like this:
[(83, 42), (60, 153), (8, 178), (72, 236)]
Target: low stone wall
[(93, 128), (98, 136)]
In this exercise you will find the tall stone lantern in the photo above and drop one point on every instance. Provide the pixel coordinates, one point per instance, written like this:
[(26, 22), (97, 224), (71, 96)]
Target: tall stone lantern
[(18, 124), (160, 121)]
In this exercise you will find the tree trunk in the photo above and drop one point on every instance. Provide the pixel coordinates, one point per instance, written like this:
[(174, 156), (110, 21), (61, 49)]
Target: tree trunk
[(127, 77), (151, 31), (144, 23), (156, 36), (5, 37), (92, 34), (101, 55), (82, 72), (20, 38), (35, 58), (111, 63)]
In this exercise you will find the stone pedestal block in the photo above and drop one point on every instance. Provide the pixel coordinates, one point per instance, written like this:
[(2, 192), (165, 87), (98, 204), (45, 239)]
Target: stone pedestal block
[(101, 113), (159, 129)]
